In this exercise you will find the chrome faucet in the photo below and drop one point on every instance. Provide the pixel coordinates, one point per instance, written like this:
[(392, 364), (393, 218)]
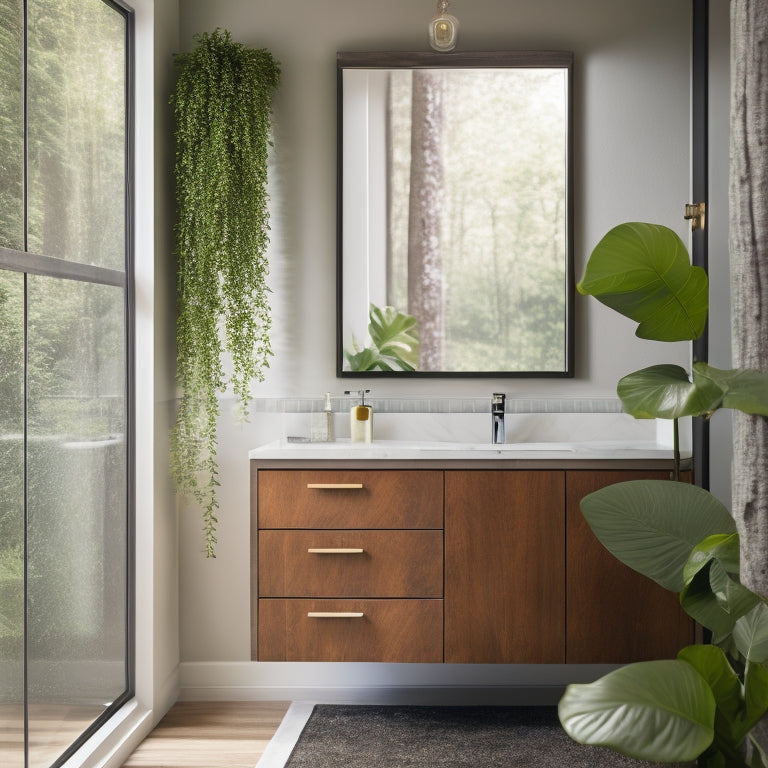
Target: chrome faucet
[(497, 418)]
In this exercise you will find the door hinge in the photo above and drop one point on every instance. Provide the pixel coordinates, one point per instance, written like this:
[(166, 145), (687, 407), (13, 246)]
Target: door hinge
[(697, 214)]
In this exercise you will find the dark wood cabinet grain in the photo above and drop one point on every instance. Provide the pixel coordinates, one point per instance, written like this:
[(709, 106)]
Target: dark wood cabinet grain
[(351, 563), (504, 567), (614, 614), (377, 630), (488, 566), (373, 499)]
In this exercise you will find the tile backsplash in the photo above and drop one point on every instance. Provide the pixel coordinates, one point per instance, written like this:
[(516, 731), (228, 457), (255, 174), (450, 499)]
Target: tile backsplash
[(437, 404)]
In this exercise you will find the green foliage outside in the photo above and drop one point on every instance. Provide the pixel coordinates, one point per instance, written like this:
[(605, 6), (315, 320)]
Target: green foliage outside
[(222, 104), (704, 704), (75, 372)]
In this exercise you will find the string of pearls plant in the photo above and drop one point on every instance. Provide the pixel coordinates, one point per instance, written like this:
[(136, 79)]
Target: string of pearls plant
[(222, 106)]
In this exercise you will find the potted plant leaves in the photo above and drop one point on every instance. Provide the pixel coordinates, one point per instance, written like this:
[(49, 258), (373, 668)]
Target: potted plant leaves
[(703, 705)]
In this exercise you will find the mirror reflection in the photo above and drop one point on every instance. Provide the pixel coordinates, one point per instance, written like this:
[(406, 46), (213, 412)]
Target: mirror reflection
[(454, 251)]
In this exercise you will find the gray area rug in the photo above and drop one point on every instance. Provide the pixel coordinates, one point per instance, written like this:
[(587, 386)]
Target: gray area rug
[(339, 736)]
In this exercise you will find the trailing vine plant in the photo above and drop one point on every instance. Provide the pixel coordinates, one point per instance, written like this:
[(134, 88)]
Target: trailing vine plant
[(222, 106)]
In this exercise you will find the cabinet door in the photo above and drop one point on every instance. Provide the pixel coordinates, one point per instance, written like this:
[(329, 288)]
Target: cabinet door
[(614, 614), (504, 566)]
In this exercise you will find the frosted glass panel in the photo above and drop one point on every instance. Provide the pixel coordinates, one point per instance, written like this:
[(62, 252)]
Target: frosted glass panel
[(11, 520), (77, 131), (76, 509), (11, 125)]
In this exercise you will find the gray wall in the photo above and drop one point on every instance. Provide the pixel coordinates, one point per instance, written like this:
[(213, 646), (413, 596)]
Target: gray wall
[(632, 153)]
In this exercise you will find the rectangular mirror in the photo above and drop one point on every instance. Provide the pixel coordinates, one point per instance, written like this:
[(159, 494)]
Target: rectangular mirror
[(455, 214)]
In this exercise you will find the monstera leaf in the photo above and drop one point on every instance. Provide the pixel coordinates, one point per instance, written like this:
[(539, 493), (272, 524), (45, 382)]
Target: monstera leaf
[(394, 342), (666, 392), (643, 271)]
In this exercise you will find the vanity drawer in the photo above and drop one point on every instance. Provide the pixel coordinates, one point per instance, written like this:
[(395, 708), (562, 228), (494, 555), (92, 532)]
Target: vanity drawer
[(350, 630), (351, 563), (350, 499)]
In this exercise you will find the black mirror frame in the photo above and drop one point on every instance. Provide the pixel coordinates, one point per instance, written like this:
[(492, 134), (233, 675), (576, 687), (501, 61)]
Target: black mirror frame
[(488, 60)]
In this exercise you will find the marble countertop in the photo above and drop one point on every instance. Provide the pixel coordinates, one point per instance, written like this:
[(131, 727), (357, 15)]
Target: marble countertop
[(413, 450)]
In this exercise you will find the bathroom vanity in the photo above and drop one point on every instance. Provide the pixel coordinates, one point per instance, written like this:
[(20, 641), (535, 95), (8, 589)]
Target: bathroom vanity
[(471, 555)]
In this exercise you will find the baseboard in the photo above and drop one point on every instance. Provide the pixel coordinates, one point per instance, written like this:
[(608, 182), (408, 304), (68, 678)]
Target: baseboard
[(354, 683), (113, 744)]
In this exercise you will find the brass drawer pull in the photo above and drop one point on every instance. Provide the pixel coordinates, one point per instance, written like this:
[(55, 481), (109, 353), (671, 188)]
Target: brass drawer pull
[(334, 486), (334, 615), (335, 551)]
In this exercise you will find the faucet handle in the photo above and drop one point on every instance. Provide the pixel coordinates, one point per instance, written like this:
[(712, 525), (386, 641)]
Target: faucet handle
[(498, 398)]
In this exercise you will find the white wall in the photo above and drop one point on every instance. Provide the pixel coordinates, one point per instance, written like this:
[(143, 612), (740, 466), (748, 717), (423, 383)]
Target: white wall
[(157, 592), (632, 153)]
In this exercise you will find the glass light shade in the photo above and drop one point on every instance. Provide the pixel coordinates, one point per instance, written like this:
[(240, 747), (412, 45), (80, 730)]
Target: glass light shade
[(443, 32)]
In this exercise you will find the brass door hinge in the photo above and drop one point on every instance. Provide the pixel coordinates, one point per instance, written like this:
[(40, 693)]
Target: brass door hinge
[(697, 213)]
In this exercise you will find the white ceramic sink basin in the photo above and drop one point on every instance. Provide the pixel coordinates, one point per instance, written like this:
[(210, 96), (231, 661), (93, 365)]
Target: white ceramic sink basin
[(494, 448), (407, 449)]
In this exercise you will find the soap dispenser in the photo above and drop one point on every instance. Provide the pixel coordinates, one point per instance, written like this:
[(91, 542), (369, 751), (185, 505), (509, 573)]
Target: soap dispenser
[(360, 419), (321, 424), (328, 411)]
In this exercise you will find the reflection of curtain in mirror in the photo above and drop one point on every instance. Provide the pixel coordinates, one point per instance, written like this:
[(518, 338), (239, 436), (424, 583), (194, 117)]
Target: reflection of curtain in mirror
[(425, 277)]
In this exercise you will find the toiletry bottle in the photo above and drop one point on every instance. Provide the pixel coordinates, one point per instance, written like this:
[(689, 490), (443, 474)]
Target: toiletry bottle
[(330, 436), (361, 420)]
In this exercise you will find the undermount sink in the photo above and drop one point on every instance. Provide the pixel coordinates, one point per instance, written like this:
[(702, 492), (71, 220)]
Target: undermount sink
[(493, 447), (448, 450)]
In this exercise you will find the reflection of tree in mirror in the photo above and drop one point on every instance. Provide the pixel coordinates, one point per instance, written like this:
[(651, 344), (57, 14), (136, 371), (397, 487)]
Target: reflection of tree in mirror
[(501, 242)]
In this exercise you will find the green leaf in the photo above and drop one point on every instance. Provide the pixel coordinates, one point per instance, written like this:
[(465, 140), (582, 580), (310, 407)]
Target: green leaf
[(364, 360), (652, 710), (711, 596), (712, 664), (643, 271), (395, 335), (394, 342), (751, 634), (723, 547), (700, 602), (665, 392), (755, 695), (743, 389), (652, 525)]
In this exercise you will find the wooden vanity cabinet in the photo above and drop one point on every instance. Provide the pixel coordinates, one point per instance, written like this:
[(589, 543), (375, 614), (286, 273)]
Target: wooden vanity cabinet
[(462, 565), (349, 566), (614, 614), (504, 567)]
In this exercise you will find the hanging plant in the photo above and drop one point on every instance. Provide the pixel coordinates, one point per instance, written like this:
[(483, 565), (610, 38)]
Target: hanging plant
[(222, 106)]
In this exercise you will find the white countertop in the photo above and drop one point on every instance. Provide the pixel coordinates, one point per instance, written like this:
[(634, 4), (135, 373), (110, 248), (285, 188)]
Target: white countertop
[(412, 450)]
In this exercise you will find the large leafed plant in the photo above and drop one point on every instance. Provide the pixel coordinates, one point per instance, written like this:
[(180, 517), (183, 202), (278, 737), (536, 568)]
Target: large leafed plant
[(222, 105), (704, 704), (393, 344)]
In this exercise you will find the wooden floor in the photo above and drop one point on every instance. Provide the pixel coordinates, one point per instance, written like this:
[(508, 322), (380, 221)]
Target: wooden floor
[(197, 734)]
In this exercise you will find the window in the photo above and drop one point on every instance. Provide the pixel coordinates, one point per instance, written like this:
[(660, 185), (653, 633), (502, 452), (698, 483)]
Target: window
[(65, 435)]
